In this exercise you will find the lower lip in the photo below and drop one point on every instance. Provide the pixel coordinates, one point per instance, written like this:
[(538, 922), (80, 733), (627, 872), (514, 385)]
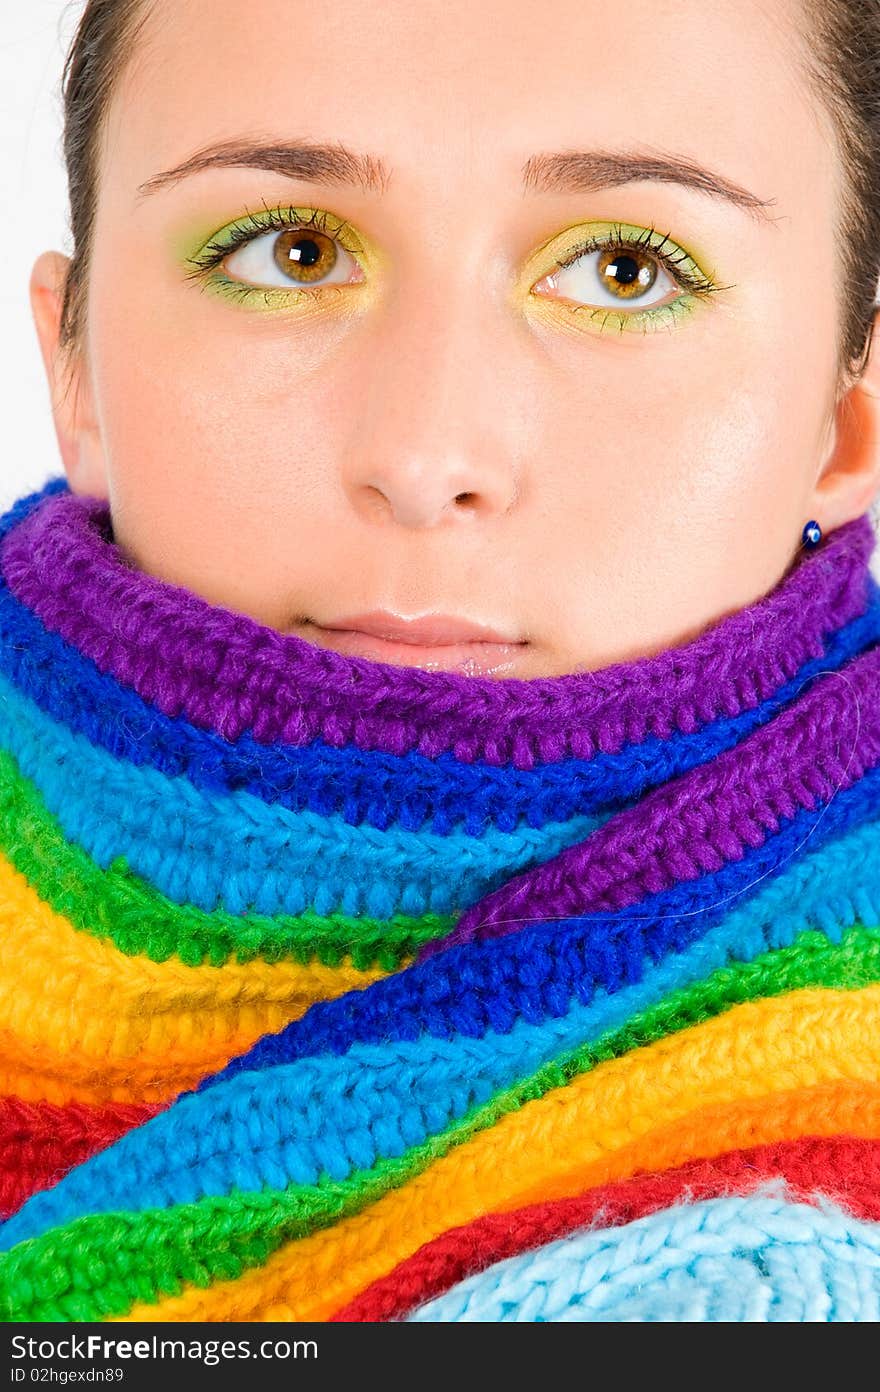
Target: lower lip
[(473, 659)]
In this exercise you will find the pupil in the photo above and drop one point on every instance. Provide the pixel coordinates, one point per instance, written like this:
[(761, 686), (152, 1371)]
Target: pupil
[(307, 257), (625, 269)]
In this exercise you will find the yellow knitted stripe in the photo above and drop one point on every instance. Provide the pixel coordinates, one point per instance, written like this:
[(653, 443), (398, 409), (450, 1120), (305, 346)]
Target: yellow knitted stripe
[(80, 1020), (752, 1053), (825, 1109)]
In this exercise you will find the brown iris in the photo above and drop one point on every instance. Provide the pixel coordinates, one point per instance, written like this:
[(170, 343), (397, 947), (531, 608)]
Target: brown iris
[(305, 256), (627, 274)]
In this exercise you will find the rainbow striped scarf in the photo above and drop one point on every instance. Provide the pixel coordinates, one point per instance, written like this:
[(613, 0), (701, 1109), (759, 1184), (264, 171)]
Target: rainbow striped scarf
[(334, 990)]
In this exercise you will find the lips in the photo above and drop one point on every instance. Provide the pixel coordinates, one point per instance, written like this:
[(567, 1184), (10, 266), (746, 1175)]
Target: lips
[(431, 630), (437, 642)]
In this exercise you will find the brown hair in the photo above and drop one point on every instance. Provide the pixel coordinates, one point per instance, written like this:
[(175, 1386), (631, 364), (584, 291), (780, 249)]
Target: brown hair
[(843, 44), (103, 40)]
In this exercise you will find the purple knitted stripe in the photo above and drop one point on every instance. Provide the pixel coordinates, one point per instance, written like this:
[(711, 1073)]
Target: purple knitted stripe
[(228, 673), (694, 824)]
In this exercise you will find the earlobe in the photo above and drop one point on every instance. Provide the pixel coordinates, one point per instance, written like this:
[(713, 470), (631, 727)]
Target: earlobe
[(72, 409), (849, 480)]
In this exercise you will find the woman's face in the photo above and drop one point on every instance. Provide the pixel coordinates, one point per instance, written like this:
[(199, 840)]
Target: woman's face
[(392, 397)]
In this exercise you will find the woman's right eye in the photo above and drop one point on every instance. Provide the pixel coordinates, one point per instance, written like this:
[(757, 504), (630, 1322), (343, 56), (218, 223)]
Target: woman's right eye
[(295, 257)]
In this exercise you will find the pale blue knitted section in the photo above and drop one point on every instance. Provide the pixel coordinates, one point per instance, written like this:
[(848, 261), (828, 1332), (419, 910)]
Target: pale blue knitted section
[(240, 853), (758, 1259)]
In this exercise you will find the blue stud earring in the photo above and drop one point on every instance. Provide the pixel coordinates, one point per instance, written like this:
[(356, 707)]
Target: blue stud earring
[(812, 534)]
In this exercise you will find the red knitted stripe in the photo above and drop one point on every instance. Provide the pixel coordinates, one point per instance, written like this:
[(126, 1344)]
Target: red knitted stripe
[(840, 1167), (41, 1141)]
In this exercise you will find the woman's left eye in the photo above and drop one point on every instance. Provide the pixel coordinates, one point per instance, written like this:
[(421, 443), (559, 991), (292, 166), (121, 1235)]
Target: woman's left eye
[(296, 256), (612, 277)]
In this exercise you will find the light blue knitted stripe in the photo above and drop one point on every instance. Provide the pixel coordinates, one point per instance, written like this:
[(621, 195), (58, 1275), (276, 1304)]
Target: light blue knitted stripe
[(759, 1258), (240, 852), (332, 1114)]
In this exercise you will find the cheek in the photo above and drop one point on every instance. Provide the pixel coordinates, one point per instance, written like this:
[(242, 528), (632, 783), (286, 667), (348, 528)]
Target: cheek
[(704, 441), (217, 471), (682, 481), (203, 406)]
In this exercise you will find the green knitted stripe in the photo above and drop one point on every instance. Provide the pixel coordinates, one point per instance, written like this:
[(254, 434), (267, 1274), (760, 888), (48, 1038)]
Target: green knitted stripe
[(118, 904), (100, 1265)]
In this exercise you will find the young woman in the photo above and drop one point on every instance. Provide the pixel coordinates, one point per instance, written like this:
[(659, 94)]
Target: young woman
[(440, 716)]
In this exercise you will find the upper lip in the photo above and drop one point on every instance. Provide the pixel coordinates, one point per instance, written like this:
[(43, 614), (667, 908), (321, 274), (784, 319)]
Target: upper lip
[(433, 630)]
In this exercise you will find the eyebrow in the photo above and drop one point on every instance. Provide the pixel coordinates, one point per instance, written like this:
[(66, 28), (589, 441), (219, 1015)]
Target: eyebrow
[(577, 171), (584, 171)]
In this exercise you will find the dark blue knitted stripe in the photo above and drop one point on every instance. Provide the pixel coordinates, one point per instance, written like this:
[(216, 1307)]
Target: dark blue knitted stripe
[(535, 972), (373, 787)]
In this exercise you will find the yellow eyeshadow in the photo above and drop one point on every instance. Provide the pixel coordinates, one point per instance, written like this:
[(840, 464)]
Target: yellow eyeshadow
[(205, 255)]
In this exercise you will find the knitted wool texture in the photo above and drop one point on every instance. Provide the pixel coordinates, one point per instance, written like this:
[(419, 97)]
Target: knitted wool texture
[(336, 990)]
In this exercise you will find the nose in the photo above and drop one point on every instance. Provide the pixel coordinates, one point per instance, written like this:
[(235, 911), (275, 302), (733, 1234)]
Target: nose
[(439, 435)]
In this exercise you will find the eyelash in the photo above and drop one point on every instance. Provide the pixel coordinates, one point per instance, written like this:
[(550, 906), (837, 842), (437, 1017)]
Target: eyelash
[(268, 219), (622, 238)]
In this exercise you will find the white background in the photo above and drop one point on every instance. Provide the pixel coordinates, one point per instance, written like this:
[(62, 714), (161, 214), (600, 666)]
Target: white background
[(33, 218), (34, 37)]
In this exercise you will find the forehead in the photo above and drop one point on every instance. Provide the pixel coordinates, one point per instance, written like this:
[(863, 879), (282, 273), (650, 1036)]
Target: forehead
[(457, 95)]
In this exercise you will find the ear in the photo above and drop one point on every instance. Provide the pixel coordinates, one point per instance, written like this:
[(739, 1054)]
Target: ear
[(73, 411), (849, 479)]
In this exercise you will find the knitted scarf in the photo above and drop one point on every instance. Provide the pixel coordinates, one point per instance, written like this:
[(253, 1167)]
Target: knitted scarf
[(336, 990)]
